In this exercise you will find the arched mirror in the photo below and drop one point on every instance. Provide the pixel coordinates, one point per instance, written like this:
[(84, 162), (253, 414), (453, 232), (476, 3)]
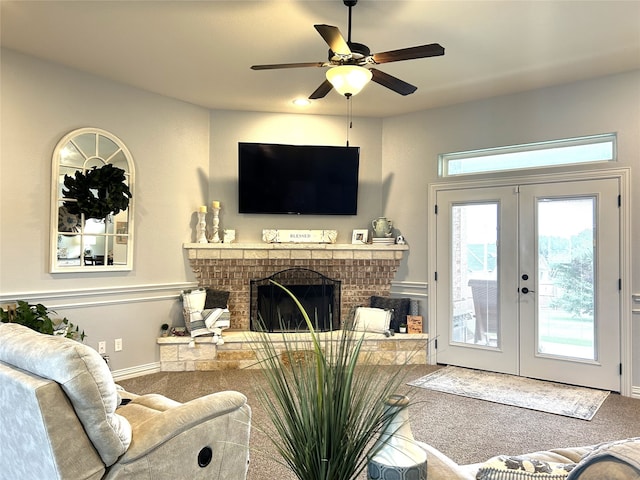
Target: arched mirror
[(91, 203)]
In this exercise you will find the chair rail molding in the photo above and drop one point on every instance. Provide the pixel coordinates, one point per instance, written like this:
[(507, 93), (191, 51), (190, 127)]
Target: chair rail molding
[(416, 290), (91, 297)]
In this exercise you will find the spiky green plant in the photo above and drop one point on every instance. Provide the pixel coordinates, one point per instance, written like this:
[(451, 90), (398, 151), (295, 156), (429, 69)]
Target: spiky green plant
[(326, 405)]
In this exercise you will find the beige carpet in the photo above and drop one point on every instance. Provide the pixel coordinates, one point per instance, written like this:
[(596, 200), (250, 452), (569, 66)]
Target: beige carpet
[(466, 429), (549, 397)]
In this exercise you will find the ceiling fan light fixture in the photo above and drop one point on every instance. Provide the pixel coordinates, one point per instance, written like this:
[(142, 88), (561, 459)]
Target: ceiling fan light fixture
[(349, 80)]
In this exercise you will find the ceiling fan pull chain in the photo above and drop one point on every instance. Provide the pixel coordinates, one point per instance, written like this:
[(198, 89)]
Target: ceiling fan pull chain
[(349, 116)]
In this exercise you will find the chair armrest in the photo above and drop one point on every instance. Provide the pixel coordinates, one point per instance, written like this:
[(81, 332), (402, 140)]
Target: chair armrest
[(163, 425)]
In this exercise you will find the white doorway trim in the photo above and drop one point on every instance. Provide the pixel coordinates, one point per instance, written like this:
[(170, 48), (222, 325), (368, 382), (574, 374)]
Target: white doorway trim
[(626, 299)]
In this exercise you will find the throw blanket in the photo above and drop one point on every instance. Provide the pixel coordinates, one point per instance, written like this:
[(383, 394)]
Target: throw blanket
[(211, 318), (201, 321)]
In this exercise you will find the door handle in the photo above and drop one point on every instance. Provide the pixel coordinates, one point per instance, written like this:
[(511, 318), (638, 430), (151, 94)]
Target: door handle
[(525, 290)]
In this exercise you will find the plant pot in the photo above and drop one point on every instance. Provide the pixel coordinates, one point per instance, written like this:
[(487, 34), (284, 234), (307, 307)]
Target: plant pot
[(400, 456)]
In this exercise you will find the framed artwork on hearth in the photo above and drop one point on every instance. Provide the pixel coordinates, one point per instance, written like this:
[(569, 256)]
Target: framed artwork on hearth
[(360, 236)]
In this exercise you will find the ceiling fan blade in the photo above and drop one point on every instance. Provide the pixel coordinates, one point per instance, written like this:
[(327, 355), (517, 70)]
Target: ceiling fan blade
[(393, 83), (288, 65), (422, 51), (320, 92), (334, 39)]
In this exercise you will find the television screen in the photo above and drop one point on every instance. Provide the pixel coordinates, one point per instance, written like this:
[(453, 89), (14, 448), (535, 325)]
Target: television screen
[(297, 179)]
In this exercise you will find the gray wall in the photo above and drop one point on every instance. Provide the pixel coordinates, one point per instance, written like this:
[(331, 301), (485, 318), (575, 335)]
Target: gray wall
[(411, 144), (185, 156), (229, 128), (169, 141)]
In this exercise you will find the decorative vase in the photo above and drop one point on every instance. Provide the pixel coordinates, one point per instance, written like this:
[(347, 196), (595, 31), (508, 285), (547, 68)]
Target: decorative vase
[(400, 457), (414, 307), (382, 227)]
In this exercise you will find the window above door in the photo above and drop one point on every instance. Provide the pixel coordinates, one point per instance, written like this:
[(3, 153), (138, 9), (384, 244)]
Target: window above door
[(572, 151)]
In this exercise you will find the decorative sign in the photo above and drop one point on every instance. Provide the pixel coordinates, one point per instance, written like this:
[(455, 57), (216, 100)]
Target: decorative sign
[(414, 324), (299, 236)]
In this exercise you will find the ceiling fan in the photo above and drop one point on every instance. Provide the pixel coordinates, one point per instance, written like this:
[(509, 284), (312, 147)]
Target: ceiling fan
[(351, 58)]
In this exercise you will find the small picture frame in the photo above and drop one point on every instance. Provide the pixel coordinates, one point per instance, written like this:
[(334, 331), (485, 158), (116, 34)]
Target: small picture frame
[(228, 235), (360, 237)]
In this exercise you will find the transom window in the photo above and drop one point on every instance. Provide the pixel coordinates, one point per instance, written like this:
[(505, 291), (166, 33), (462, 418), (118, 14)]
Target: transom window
[(572, 151)]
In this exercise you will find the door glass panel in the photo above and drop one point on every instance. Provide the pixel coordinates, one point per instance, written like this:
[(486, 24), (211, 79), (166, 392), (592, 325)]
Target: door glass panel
[(566, 251), (474, 274)]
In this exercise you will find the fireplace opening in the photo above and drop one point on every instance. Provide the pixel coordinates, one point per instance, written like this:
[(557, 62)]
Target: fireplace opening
[(276, 311)]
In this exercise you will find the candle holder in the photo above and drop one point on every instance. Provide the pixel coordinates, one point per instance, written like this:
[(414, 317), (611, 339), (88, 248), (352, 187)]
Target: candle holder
[(201, 229), (216, 225)]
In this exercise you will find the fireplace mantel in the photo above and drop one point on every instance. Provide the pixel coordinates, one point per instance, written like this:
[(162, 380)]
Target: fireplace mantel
[(297, 250), (364, 270)]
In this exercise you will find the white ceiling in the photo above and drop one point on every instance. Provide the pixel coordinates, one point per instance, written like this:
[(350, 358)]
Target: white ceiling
[(201, 51)]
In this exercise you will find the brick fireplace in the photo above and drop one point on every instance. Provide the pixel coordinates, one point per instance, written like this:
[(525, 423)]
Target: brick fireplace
[(364, 270)]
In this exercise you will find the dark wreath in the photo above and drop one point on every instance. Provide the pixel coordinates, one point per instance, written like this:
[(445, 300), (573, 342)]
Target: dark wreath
[(98, 192)]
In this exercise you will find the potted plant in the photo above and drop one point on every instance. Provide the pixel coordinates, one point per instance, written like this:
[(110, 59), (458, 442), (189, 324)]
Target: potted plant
[(164, 329), (327, 406), (37, 318), (403, 328)]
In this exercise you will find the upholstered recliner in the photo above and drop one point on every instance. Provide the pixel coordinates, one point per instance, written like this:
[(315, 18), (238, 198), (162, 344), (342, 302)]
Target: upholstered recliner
[(63, 417)]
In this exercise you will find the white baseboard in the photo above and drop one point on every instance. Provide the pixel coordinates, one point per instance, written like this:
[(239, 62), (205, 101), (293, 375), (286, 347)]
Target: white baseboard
[(635, 392), (137, 371)]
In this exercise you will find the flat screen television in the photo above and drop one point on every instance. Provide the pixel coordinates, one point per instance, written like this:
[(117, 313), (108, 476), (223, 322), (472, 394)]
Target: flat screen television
[(297, 179)]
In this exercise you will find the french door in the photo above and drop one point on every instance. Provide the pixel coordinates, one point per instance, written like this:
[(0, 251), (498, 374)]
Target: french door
[(528, 280)]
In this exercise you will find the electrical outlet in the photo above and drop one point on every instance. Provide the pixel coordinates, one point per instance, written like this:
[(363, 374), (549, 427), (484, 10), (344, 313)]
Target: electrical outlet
[(117, 344), (102, 347)]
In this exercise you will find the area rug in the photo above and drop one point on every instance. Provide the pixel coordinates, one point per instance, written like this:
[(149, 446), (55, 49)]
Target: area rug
[(557, 398)]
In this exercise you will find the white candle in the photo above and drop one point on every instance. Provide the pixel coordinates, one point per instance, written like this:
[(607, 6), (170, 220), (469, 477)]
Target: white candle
[(203, 209), (216, 204)]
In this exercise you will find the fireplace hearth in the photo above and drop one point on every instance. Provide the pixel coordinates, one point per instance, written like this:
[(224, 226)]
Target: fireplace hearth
[(273, 310)]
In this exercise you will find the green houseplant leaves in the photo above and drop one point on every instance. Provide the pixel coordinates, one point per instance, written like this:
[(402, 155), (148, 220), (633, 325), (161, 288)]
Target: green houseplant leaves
[(37, 318), (98, 192)]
